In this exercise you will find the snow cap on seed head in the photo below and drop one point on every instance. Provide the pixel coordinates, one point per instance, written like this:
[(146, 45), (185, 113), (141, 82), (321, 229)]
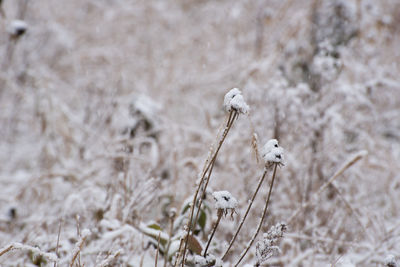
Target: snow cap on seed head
[(225, 201), (269, 146), (272, 152), (390, 261), (17, 28), (234, 100)]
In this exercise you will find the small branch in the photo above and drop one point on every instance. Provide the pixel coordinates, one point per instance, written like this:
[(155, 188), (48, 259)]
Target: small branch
[(79, 246), (230, 123), (171, 226), (220, 213), (262, 218), (158, 248), (347, 165), (245, 215), (58, 242), (110, 258), (232, 116)]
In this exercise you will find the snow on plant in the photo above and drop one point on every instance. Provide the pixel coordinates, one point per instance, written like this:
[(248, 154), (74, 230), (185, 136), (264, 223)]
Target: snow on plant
[(206, 261), (17, 28), (390, 261), (268, 246), (77, 138), (234, 100), (272, 153), (234, 107), (225, 201)]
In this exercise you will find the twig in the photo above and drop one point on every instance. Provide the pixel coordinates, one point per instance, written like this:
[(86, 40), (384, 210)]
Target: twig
[(202, 180), (158, 248), (210, 171), (79, 246), (110, 258), (171, 226), (347, 165), (220, 213), (354, 212), (245, 215), (58, 242), (261, 220)]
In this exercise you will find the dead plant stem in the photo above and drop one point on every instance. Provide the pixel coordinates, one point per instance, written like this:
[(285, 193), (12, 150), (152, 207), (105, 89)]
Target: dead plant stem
[(245, 215), (261, 220), (232, 116), (220, 213)]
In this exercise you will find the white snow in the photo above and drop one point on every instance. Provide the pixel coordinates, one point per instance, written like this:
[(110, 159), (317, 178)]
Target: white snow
[(390, 261), (17, 27), (224, 200), (237, 103), (234, 100), (272, 152), (229, 96), (269, 146)]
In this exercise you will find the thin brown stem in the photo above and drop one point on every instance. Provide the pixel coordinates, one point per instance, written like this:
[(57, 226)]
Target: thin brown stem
[(171, 226), (211, 163), (58, 242), (220, 213), (316, 196), (261, 220), (229, 125), (245, 215), (158, 248)]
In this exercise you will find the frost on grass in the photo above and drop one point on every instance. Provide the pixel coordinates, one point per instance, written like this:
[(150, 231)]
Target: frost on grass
[(225, 201), (234, 101), (16, 245), (267, 247)]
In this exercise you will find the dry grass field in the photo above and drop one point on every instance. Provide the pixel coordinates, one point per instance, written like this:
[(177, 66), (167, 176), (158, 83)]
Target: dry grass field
[(109, 110)]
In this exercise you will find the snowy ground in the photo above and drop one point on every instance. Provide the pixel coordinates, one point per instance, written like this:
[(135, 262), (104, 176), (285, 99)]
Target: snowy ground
[(108, 110)]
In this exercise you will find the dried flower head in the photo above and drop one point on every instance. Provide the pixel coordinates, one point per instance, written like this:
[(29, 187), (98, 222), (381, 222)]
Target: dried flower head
[(234, 100), (225, 202), (272, 153), (17, 28), (390, 261), (267, 247)]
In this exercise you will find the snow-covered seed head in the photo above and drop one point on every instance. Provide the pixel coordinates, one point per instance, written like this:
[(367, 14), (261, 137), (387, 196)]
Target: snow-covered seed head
[(225, 202), (272, 152), (267, 247), (390, 261), (234, 100), (269, 146), (17, 28), (276, 231), (172, 213)]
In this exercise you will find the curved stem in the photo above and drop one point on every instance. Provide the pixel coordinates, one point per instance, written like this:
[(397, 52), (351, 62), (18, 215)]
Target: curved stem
[(207, 180), (210, 164), (245, 215), (261, 221), (220, 213), (171, 226)]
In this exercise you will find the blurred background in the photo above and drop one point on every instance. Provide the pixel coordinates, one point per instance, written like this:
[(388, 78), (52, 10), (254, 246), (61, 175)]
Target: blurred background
[(108, 109)]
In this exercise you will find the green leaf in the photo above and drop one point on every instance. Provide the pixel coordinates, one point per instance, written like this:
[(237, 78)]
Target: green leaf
[(202, 219), (155, 226)]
